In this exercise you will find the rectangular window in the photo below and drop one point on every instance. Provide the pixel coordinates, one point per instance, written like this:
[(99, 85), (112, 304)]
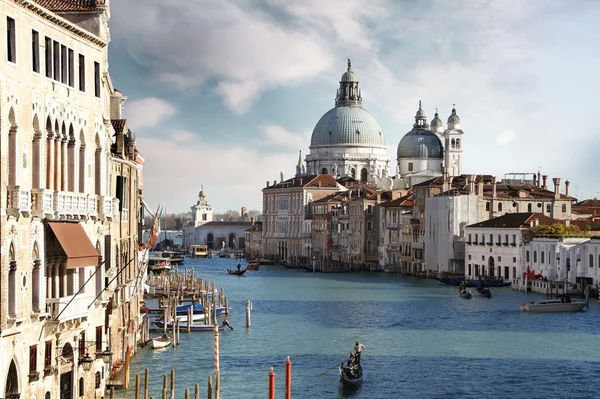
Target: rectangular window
[(71, 68), (514, 259), (48, 355), (410, 166), (32, 359), (96, 79), (11, 40), (48, 43), (56, 59), (82, 349), (35, 51), (64, 64), (81, 72), (98, 339), (370, 210)]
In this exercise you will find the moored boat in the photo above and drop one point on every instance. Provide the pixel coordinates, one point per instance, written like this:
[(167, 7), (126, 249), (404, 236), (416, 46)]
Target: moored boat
[(161, 342), (498, 282), (563, 304), (175, 257), (237, 272), (253, 266), (159, 264), (199, 251), (193, 327)]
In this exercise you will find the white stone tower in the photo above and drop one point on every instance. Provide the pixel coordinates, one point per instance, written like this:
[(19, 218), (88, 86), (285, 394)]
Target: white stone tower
[(202, 212), (453, 145)]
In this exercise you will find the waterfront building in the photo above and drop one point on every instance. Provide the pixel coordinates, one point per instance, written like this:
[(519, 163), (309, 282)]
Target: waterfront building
[(70, 180), (286, 209), (395, 243), (327, 243), (253, 249), (494, 248), (215, 234)]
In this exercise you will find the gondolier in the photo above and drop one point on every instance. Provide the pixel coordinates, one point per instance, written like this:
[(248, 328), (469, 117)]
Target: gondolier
[(358, 350)]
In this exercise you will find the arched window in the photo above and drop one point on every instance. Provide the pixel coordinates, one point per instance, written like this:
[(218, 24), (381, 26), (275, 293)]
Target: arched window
[(97, 167), (369, 226), (457, 144), (534, 256), (70, 176), (591, 260), (12, 382), (527, 256), (97, 380), (499, 206), (49, 155), (369, 246), (36, 167), (487, 206), (82, 174), (363, 175), (353, 173), (63, 184), (81, 387), (564, 208), (542, 257), (453, 143), (12, 149), (324, 171), (529, 207), (231, 240), (36, 276), (47, 396), (210, 240)]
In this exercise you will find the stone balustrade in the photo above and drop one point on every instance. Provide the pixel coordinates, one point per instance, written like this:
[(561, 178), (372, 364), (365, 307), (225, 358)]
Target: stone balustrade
[(19, 201)]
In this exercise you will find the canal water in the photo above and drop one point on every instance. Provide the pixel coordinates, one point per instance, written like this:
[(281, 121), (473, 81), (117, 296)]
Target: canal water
[(422, 340)]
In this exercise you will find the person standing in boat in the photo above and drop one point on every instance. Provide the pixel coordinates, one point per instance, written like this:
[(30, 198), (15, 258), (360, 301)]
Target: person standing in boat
[(358, 350), (239, 267)]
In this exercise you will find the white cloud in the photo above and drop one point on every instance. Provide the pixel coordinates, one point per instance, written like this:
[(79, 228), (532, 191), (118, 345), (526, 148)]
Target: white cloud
[(147, 112), (232, 175), (506, 137), (275, 135)]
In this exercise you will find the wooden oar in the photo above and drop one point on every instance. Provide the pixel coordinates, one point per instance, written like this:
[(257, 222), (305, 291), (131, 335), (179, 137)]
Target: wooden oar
[(328, 370)]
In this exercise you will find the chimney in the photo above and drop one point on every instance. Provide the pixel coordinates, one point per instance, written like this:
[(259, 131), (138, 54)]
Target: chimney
[(252, 220), (480, 187), (556, 181), (378, 198), (544, 185), (267, 184), (300, 181), (471, 184), (535, 180), (538, 178), (567, 188), (274, 183), (493, 186)]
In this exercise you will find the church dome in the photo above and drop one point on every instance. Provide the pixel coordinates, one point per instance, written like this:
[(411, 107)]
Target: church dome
[(453, 118), (436, 122), (343, 126), (420, 144), (349, 76)]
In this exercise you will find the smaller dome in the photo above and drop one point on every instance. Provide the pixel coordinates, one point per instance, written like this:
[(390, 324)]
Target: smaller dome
[(349, 75), (436, 121), (453, 118), (420, 144), (202, 194)]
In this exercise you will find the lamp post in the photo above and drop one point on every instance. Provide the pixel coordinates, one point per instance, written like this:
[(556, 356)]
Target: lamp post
[(86, 362)]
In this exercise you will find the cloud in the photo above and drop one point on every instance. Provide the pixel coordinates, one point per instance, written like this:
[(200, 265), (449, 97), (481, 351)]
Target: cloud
[(275, 135), (147, 112), (179, 163), (506, 137)]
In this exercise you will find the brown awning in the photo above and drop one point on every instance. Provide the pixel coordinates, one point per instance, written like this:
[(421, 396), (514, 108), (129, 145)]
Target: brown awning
[(77, 246)]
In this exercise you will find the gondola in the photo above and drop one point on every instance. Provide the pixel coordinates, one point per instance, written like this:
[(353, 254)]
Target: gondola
[(236, 272), (352, 375), (465, 294), (484, 292)]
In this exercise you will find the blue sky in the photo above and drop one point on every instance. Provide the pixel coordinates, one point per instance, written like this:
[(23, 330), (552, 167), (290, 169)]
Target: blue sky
[(224, 94)]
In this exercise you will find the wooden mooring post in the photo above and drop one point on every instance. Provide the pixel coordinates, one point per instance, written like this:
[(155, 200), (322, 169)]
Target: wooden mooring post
[(248, 309)]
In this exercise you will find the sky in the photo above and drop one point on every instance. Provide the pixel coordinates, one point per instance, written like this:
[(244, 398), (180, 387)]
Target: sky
[(224, 94)]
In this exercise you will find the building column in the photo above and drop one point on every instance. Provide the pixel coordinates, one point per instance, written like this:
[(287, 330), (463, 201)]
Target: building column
[(49, 291), (57, 163), (64, 167), (50, 163)]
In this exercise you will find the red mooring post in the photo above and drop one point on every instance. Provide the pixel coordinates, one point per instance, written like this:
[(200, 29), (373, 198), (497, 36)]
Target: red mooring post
[(288, 378), (271, 384)]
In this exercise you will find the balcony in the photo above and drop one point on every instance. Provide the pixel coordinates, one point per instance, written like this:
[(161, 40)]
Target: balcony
[(415, 221), (77, 309), (391, 225), (19, 201), (43, 203), (70, 205), (107, 210), (92, 206)]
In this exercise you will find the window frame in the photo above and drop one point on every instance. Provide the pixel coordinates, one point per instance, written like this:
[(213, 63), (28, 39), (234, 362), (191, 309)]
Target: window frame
[(35, 51)]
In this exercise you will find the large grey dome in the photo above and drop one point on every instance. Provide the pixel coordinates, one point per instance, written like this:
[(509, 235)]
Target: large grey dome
[(420, 144), (347, 126)]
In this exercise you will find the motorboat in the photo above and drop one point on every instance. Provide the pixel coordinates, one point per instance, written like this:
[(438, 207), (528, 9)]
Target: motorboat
[(161, 342), (159, 264), (562, 304)]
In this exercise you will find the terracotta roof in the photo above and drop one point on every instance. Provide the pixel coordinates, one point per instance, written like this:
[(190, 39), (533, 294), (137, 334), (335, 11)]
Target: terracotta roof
[(335, 197), (407, 200), (589, 202), (321, 180), (516, 220), (257, 226), (119, 124), (583, 223), (70, 5)]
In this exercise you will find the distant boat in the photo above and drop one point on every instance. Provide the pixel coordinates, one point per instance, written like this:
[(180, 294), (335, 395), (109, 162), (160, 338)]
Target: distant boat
[(175, 257), (485, 292), (253, 266), (475, 282), (161, 342), (199, 251), (236, 272), (159, 264), (564, 304)]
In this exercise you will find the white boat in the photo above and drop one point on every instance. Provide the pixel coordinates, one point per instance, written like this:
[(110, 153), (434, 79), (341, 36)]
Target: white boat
[(161, 342), (158, 264), (564, 304)]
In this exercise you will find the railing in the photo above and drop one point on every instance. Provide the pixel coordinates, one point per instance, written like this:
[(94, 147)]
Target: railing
[(19, 201), (106, 210), (92, 205), (78, 308), (42, 202), (69, 204), (125, 215), (391, 225)]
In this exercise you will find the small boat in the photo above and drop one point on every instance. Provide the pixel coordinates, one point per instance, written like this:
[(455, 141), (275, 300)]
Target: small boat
[(563, 304), (351, 375), (253, 266), (199, 251), (238, 272), (484, 292), (465, 294), (193, 327), (494, 282), (175, 257), (161, 342), (197, 309)]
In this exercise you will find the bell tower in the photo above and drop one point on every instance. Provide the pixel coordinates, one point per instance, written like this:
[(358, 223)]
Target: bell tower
[(453, 145)]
